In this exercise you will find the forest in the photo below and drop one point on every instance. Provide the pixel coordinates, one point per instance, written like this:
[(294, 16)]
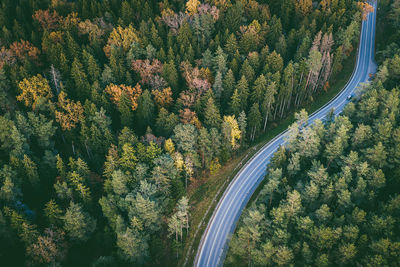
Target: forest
[(331, 196), (110, 110)]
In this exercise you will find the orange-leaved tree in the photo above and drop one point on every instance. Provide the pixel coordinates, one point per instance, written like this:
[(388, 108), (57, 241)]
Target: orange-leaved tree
[(116, 91), (366, 8), (21, 49), (70, 113), (48, 20), (163, 98)]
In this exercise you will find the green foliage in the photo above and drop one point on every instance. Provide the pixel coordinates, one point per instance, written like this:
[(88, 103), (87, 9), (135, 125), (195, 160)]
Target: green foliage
[(324, 197), (77, 223), (127, 168)]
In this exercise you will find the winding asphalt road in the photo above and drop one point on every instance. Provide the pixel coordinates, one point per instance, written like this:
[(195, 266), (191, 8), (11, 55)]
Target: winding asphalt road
[(214, 242)]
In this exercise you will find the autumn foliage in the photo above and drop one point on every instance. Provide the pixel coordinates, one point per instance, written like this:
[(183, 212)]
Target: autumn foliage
[(149, 72), (233, 130), (93, 30), (34, 89), (172, 20), (196, 78), (189, 117), (175, 88), (70, 113), (24, 48), (121, 37), (303, 7), (17, 53), (116, 91), (366, 8), (163, 98), (191, 6), (48, 20)]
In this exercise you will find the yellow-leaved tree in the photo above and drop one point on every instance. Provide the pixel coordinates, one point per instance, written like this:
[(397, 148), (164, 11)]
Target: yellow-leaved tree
[(121, 37), (191, 6), (34, 90), (231, 130), (169, 146), (303, 7)]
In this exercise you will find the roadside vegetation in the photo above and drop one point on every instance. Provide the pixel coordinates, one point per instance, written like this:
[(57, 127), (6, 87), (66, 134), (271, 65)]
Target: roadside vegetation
[(112, 113), (331, 196)]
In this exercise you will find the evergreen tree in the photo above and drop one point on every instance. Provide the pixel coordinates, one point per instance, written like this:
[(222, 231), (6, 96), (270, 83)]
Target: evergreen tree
[(254, 120), (80, 79), (77, 223), (145, 111), (212, 118), (243, 90), (170, 74), (229, 86), (259, 89)]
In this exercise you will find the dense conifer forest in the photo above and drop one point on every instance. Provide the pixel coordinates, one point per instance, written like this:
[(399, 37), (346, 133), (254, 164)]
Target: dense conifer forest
[(331, 196), (110, 109)]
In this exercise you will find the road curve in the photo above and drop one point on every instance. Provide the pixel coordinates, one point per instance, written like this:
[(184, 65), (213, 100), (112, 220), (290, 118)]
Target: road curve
[(214, 242)]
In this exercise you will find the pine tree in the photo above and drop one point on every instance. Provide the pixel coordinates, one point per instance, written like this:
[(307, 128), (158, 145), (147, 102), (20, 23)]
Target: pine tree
[(242, 87), (229, 86), (124, 108), (217, 86), (259, 89), (31, 172), (185, 137), (204, 143), (219, 62), (127, 13), (80, 80), (247, 71), (274, 63), (53, 212), (93, 69), (212, 118), (145, 113), (255, 120), (166, 122), (242, 121), (235, 104), (231, 45), (77, 223), (170, 74)]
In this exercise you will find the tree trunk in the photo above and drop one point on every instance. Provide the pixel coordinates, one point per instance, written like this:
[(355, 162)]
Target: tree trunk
[(308, 79), (276, 110), (266, 119), (290, 100), (73, 147), (283, 108), (88, 150), (295, 101)]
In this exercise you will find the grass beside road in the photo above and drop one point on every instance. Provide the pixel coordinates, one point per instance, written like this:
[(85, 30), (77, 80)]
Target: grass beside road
[(206, 192)]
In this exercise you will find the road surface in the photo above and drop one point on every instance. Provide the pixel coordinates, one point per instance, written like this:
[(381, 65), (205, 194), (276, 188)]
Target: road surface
[(214, 242)]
